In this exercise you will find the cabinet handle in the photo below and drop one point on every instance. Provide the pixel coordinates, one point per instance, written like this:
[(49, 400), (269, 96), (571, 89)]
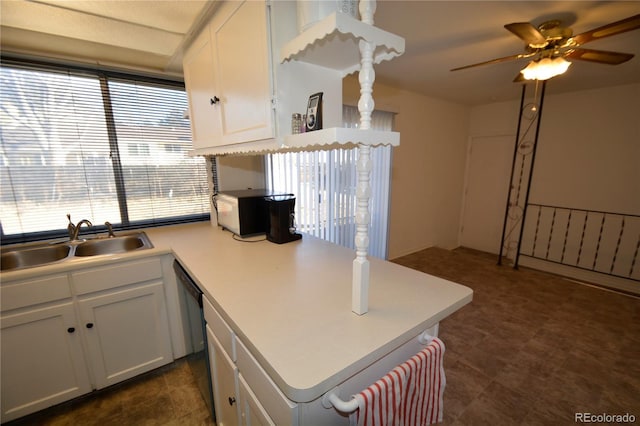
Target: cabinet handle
[(71, 329), (215, 100), (90, 325), (232, 400)]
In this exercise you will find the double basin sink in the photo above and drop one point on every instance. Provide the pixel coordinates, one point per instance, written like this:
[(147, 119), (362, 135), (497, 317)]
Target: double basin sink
[(47, 253)]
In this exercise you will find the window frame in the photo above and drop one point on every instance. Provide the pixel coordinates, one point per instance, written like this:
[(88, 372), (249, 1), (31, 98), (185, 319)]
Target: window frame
[(104, 76)]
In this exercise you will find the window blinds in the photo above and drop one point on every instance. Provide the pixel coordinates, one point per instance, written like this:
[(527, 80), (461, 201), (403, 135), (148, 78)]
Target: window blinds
[(98, 147), (324, 183)]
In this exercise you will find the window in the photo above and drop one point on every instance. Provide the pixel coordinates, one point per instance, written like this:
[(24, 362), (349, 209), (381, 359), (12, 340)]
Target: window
[(324, 183), (99, 146)]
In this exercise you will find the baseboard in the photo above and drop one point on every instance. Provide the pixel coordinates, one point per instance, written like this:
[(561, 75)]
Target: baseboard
[(588, 277)]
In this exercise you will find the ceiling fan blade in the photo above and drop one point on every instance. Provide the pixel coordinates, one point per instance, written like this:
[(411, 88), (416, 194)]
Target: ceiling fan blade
[(520, 79), (631, 23), (495, 61), (528, 33), (600, 56)]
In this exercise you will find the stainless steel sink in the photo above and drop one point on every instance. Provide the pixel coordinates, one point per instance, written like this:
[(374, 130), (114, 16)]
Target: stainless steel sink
[(33, 255), (112, 245)]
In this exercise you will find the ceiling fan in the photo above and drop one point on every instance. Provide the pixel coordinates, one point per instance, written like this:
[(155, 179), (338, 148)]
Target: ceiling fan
[(550, 43)]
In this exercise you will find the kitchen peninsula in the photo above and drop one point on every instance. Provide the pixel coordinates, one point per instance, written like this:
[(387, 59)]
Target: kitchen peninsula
[(289, 308), (280, 330)]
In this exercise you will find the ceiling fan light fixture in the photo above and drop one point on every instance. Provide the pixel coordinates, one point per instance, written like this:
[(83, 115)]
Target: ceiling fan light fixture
[(545, 68)]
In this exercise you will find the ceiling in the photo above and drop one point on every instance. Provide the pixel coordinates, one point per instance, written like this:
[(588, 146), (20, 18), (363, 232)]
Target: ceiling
[(150, 35), (441, 35)]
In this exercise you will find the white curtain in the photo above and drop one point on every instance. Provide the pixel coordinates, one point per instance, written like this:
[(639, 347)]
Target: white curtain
[(324, 184)]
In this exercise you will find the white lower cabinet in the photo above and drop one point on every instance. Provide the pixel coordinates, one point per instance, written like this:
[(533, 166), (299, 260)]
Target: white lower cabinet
[(225, 383), (281, 410), (245, 393), (42, 360), (242, 391), (126, 332), (254, 413), (63, 335)]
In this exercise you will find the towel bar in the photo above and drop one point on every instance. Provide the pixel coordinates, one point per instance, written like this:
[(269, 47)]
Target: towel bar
[(425, 338), (331, 398)]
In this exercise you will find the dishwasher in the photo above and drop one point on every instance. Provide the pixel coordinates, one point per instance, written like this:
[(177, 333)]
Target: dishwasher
[(198, 359)]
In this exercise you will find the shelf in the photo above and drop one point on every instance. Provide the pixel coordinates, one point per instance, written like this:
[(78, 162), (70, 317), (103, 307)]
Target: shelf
[(333, 43), (244, 148), (335, 137)]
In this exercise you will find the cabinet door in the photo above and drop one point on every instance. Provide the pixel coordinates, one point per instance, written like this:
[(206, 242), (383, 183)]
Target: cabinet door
[(225, 383), (243, 73), (200, 85), (42, 360), (127, 332), (253, 413)]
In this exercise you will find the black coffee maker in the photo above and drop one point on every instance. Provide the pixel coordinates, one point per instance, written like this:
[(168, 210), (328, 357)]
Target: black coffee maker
[(281, 219)]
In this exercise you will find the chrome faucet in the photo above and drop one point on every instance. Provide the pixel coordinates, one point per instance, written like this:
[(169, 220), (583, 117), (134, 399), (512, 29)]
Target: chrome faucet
[(74, 230), (109, 229)]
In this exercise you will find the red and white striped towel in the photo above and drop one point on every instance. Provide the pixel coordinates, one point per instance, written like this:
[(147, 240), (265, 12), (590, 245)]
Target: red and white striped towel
[(410, 394)]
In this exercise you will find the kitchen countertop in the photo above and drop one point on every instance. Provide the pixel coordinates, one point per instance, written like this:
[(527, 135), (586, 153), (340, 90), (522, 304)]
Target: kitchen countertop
[(290, 304)]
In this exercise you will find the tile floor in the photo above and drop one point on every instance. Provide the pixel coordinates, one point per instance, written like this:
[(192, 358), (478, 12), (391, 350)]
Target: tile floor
[(167, 396), (531, 349)]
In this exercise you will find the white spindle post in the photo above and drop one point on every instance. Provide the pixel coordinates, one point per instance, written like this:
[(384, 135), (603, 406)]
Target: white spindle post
[(360, 285), (367, 8), (366, 77)]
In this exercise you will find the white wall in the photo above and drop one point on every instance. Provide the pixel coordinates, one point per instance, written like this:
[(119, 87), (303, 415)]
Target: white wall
[(588, 157), (428, 167), (588, 152), (242, 172)]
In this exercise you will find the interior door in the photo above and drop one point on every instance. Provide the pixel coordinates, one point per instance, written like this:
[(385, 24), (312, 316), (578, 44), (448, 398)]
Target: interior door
[(487, 185)]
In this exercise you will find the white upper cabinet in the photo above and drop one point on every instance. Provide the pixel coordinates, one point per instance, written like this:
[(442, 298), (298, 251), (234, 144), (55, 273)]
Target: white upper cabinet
[(243, 78), (227, 75), (250, 70), (201, 88)]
